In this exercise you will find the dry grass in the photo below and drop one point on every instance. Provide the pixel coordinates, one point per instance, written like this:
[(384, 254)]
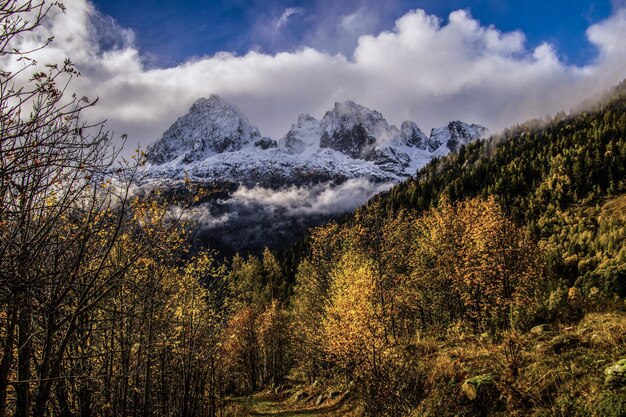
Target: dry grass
[(557, 373), (615, 207)]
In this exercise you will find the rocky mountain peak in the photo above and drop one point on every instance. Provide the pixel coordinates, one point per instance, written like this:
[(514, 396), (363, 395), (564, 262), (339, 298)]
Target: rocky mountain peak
[(215, 141), (354, 130), (211, 126), (305, 133), (348, 113), (306, 119), (213, 101), (411, 135), (349, 107), (455, 134)]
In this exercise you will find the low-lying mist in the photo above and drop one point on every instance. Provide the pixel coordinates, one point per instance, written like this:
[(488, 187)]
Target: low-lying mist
[(252, 218)]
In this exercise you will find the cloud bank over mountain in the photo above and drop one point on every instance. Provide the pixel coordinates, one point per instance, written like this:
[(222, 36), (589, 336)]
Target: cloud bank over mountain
[(252, 218), (421, 69)]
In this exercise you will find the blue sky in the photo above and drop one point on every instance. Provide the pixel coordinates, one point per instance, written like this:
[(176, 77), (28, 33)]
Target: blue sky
[(170, 32)]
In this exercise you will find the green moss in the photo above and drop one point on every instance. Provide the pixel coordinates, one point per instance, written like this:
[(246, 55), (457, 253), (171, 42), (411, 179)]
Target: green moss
[(480, 386), (616, 374), (612, 404)]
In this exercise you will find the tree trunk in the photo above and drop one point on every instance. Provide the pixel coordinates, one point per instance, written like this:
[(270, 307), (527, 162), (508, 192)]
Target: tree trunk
[(148, 370), (7, 358), (61, 396), (84, 399), (22, 386)]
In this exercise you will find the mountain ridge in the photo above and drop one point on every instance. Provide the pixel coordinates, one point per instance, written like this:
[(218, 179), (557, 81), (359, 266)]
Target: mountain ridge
[(277, 189), (214, 140)]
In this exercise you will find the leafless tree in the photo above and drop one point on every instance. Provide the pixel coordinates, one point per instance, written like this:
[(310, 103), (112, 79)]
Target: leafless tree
[(54, 174), (91, 284)]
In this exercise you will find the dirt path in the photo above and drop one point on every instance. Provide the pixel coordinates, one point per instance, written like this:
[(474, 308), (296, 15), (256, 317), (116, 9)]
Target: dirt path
[(269, 405)]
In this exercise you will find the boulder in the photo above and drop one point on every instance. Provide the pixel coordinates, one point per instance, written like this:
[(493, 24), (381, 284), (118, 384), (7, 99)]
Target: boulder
[(541, 329), (616, 374), (481, 387)]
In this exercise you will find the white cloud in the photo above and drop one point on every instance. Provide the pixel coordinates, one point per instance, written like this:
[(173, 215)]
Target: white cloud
[(421, 69), (358, 22), (286, 15), (258, 217), (311, 200)]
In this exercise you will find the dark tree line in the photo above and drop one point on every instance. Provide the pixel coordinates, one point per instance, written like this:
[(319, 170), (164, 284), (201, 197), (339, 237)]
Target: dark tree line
[(542, 173)]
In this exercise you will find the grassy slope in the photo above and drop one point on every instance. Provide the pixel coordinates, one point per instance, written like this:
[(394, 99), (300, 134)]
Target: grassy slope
[(559, 372), (555, 373)]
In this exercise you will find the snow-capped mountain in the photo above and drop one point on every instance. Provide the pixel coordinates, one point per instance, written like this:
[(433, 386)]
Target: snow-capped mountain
[(454, 135), (354, 130), (265, 192), (211, 127), (215, 141)]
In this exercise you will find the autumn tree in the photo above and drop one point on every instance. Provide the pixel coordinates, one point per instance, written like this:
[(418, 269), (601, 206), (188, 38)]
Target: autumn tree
[(352, 327), (239, 351), (275, 343), (60, 214), (311, 295), (473, 264), (257, 333)]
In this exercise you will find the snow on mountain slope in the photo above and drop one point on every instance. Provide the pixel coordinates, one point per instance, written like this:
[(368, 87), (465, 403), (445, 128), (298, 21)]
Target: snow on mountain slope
[(303, 136), (455, 134), (211, 127), (215, 142), (271, 192)]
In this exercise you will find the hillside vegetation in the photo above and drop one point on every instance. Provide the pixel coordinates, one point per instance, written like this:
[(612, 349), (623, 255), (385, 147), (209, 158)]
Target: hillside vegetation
[(491, 284), (423, 302), (553, 178)]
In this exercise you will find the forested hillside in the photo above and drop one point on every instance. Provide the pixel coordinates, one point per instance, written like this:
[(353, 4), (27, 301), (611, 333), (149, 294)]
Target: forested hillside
[(557, 178), (424, 298)]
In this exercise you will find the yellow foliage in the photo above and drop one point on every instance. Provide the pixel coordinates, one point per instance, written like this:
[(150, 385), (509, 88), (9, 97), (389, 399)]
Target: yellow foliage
[(353, 331), (474, 262)]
